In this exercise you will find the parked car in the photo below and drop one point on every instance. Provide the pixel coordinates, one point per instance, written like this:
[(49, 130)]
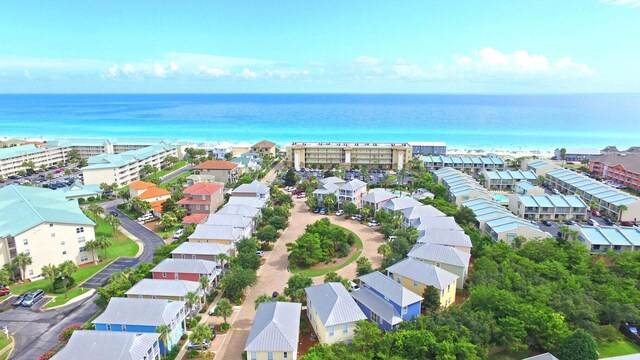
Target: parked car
[(555, 191), (33, 298), (301, 195), (569, 222), (596, 213), (114, 213), (316, 210), (203, 346), (323, 211), (4, 291), (340, 212), (260, 253), (593, 222), (608, 221), (353, 286), (546, 223), (18, 300), (178, 233), (145, 218), (373, 223), (627, 223), (391, 238)]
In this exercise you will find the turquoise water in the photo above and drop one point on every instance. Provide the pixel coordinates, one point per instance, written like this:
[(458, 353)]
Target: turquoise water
[(483, 121), (500, 198)]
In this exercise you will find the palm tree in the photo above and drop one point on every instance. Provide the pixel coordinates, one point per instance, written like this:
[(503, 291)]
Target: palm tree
[(124, 194), (384, 250), (388, 179), (205, 282), (621, 208), (224, 260), (365, 211), (50, 272), (330, 201), (364, 173), (593, 205), (103, 244), (96, 210), (65, 270), (23, 260), (224, 309), (92, 246), (540, 180), (567, 234), (164, 330), (402, 173), (192, 298), (200, 333), (113, 221)]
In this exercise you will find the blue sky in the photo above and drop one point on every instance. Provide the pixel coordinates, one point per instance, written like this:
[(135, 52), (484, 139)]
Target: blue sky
[(438, 46)]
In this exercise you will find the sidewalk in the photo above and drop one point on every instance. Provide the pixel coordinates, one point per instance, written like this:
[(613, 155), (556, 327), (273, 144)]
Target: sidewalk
[(183, 351)]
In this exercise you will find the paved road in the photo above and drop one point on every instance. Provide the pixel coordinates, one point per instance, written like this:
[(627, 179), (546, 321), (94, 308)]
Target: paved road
[(37, 331), (101, 278), (177, 173)]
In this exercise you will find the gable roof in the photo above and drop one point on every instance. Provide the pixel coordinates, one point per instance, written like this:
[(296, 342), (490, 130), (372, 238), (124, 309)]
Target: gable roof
[(375, 197), (445, 237), (216, 165), (395, 292), (421, 211), (423, 273), (216, 232), (353, 185), (545, 356), (23, 207), (244, 210), (190, 266), (203, 188), (255, 187), (247, 201), (235, 220), (194, 219), (133, 311), (630, 162), (163, 287), (153, 192), (376, 304), (401, 203), (275, 327), (139, 185), (333, 304), (106, 345), (201, 248), (440, 253)]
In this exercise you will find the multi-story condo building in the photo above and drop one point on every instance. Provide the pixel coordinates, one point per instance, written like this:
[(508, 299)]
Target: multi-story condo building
[(596, 194), (623, 169), (576, 154), (463, 163), (94, 147), (13, 159), (224, 171), (125, 167), (428, 148), (460, 186), (549, 207), (327, 154), (43, 224), (506, 180), (540, 167), (601, 239)]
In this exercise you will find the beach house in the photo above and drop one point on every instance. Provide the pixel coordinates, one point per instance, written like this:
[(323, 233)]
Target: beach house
[(106, 345), (417, 276), (202, 198), (275, 332), (445, 257), (186, 269), (264, 147), (375, 199), (332, 312), (255, 189), (223, 171), (164, 289)]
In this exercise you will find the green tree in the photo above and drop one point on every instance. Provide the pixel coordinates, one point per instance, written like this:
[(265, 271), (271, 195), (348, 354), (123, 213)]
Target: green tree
[(192, 298), (384, 250), (349, 208), (50, 272), (96, 210), (363, 266), (236, 281), (73, 155), (168, 220), (311, 202), (388, 179), (147, 170), (540, 180), (124, 194), (21, 261), (366, 335), (334, 277), (65, 270), (290, 177), (306, 250), (224, 309), (431, 300), (621, 208), (267, 234), (205, 283), (580, 345), (92, 245), (164, 330), (262, 299), (512, 333), (199, 334), (102, 243), (113, 221), (295, 287), (330, 201), (563, 155)]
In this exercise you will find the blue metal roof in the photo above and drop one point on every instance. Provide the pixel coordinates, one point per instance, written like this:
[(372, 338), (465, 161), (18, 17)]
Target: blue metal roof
[(13, 151)]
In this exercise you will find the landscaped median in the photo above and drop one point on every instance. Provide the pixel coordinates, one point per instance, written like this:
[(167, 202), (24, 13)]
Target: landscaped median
[(120, 246), (323, 248)]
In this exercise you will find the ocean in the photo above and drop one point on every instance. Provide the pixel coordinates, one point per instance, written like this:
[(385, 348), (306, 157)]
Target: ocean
[(514, 122)]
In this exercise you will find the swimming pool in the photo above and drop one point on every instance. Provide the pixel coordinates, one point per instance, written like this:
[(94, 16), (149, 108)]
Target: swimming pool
[(500, 198)]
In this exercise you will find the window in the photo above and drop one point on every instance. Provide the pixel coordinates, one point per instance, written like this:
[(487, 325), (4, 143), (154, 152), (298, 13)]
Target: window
[(53, 234), (404, 310), (84, 258), (331, 328), (415, 283), (124, 327), (108, 327), (254, 356), (80, 239), (25, 242), (197, 207), (79, 230), (64, 252), (269, 355), (164, 274), (449, 288), (50, 225), (82, 249), (30, 272), (285, 355), (27, 252), (399, 279), (375, 317), (193, 256), (442, 293), (345, 328)]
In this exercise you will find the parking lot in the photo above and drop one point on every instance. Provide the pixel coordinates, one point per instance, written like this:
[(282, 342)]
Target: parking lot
[(59, 179), (375, 176)]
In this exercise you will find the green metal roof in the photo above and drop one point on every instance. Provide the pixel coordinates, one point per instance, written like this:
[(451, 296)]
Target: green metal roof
[(23, 207), (13, 151)]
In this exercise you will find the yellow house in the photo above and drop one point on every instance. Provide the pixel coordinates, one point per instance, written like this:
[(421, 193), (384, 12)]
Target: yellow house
[(218, 234), (417, 275), (164, 289), (332, 312), (275, 332)]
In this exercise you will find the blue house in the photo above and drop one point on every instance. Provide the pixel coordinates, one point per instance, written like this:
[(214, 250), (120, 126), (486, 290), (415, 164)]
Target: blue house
[(386, 302), (144, 316)]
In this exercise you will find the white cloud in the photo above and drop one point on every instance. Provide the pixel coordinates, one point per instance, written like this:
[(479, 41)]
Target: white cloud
[(368, 64), (212, 71), (141, 70), (248, 74), (404, 69), (629, 3), (225, 62)]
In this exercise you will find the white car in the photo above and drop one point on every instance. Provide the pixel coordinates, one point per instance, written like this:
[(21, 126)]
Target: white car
[(260, 253), (340, 212), (391, 238), (145, 218), (178, 233), (353, 286), (373, 223)]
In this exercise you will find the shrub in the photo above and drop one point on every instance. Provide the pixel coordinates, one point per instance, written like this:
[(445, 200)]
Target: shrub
[(80, 201), (58, 285), (609, 333), (91, 198), (65, 335), (224, 327), (192, 354)]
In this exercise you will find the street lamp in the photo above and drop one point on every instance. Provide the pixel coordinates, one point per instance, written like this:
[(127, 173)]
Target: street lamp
[(64, 283)]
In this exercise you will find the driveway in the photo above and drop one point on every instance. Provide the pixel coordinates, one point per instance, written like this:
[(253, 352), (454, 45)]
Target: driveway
[(273, 275), (101, 277), (36, 331)]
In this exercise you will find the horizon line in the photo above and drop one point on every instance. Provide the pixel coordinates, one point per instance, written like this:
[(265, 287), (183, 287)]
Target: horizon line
[(335, 93)]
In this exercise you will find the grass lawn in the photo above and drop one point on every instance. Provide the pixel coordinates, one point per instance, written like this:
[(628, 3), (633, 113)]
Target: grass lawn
[(169, 232), (61, 299), (168, 184), (120, 244), (325, 269), (170, 169), (130, 214), (618, 348), (81, 275), (4, 341)]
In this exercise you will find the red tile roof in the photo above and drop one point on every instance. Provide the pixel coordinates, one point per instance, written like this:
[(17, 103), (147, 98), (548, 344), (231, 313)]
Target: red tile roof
[(216, 165), (139, 185), (154, 192), (157, 205), (194, 219), (264, 144), (203, 188)]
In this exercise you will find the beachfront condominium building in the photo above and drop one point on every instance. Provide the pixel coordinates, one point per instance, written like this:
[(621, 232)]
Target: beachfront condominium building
[(576, 154), (463, 163), (224, 171), (44, 225), (428, 148), (549, 207), (359, 154), (506, 180), (609, 201), (623, 168), (93, 147), (460, 186), (13, 159), (124, 168)]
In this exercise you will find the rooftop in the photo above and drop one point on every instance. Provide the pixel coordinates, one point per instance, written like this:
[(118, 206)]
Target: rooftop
[(445, 237), (216, 165), (630, 162), (610, 235), (20, 150), (333, 304), (153, 192), (106, 345), (141, 185), (23, 207), (203, 188), (163, 287), (265, 144), (275, 327), (376, 197), (395, 292), (423, 273), (133, 311), (440, 253), (216, 232), (201, 248), (374, 302), (190, 266), (109, 161)]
